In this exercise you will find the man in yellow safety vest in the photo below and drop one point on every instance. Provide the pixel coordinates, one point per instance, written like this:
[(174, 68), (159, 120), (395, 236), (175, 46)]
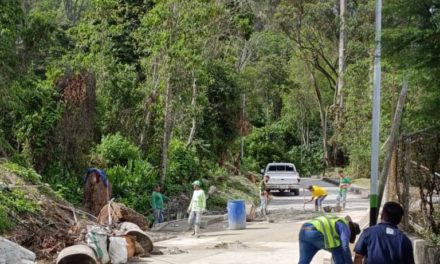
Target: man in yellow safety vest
[(330, 233)]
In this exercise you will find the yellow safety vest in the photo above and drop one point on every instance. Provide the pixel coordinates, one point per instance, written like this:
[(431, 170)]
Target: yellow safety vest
[(327, 226)]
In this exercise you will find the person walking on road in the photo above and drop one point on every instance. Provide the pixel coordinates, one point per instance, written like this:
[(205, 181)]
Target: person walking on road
[(344, 183), (384, 243), (264, 195), (318, 194), (330, 233), (157, 202), (196, 208)]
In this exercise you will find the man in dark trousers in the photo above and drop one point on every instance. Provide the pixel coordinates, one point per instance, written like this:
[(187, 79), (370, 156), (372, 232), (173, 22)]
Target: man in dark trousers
[(330, 233), (157, 200), (384, 243), (264, 194)]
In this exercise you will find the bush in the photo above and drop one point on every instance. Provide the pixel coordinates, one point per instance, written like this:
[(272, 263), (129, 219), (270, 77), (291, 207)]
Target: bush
[(308, 159), (265, 145), (360, 162), (116, 150), (277, 143), (133, 184), (183, 167)]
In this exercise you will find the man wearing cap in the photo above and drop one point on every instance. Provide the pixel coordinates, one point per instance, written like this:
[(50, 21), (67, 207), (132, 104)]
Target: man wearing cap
[(384, 243), (196, 207), (330, 233), (318, 194)]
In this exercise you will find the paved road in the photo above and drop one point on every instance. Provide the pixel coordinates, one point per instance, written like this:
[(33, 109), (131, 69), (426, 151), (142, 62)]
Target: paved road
[(260, 242), (284, 200)]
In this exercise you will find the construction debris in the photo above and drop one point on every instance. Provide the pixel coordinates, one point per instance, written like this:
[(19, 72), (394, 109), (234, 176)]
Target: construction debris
[(123, 243), (230, 245), (53, 228), (96, 238), (118, 250)]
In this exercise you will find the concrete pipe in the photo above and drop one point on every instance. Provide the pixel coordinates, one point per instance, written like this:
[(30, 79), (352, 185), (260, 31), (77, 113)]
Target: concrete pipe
[(77, 254), (128, 228)]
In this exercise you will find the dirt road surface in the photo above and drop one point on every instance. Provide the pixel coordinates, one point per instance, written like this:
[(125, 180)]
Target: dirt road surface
[(273, 241)]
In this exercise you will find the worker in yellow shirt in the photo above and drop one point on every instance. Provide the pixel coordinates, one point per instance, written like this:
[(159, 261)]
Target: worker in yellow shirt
[(318, 194)]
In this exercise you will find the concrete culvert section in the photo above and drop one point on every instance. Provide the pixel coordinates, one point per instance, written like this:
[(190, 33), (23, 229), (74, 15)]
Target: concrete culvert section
[(142, 238), (77, 254)]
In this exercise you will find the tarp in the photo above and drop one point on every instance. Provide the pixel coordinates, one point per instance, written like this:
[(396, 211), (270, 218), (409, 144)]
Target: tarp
[(101, 174)]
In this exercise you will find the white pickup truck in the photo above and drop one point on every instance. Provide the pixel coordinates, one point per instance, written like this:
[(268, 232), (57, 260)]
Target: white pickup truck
[(283, 177)]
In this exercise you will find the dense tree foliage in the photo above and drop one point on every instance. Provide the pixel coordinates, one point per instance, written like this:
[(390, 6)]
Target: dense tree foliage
[(175, 90)]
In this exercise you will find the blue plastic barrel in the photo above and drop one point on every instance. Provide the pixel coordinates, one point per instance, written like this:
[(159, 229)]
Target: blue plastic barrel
[(236, 214)]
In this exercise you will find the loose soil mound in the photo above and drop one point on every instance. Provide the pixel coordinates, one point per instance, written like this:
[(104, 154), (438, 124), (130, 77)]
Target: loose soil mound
[(36, 218)]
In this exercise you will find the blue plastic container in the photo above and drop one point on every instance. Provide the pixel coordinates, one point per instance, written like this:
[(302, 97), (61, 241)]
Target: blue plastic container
[(236, 214)]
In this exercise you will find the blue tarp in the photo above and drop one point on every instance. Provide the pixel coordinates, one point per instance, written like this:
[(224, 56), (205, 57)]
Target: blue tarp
[(101, 174)]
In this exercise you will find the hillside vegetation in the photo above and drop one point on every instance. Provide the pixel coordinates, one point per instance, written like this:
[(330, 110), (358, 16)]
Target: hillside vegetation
[(172, 91)]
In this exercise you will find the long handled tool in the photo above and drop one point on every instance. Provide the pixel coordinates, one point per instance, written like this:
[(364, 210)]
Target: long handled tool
[(304, 200)]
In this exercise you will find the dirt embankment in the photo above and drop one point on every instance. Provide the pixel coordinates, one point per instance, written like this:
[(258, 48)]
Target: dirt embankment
[(32, 215)]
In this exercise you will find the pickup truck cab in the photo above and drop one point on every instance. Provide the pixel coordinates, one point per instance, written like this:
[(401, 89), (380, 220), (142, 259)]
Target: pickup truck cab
[(283, 177)]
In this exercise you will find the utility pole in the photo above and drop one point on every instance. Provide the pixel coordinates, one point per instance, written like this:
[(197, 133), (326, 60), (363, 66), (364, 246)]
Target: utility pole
[(374, 206)]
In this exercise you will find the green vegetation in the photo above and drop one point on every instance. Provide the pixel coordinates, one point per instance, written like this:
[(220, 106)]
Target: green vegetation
[(16, 202), (166, 91), (26, 173)]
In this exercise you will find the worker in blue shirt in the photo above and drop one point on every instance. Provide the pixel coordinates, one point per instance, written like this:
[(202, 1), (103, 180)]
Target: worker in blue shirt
[(330, 233), (385, 243)]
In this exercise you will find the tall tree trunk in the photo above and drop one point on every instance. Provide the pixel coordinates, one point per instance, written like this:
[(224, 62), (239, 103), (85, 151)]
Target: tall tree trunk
[(148, 102), (341, 61), (193, 107), (243, 124), (3, 153), (307, 135), (168, 124), (246, 53), (73, 9), (322, 115), (339, 98)]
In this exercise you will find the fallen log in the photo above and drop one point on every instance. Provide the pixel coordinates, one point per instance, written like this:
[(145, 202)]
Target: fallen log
[(120, 213)]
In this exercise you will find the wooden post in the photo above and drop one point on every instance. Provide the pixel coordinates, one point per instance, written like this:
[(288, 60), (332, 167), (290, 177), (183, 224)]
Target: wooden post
[(392, 177), (406, 184), (392, 141)]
